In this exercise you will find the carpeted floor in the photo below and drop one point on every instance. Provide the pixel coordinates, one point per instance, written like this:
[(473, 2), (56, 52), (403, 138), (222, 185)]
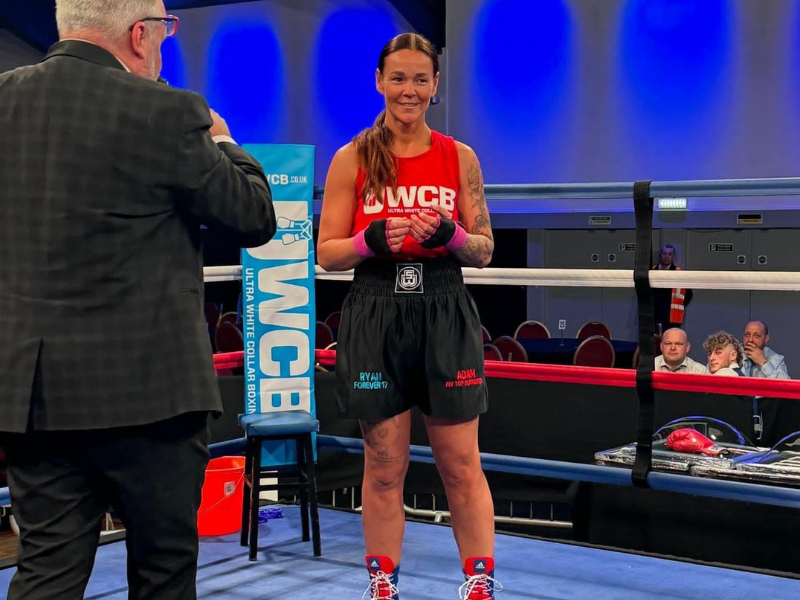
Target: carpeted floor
[(528, 569)]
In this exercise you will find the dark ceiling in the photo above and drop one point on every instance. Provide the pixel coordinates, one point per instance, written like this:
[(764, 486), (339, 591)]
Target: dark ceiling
[(34, 20)]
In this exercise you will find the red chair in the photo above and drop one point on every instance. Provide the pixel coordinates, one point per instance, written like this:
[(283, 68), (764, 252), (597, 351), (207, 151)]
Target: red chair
[(333, 320), (486, 337), (531, 330), (510, 349), (595, 351), (490, 352), (229, 317), (593, 328), (228, 338), (324, 336)]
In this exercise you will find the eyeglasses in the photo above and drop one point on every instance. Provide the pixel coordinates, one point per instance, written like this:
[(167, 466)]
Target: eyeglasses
[(171, 21)]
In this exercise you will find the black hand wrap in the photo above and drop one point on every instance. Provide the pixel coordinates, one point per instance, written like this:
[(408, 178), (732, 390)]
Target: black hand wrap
[(375, 237), (442, 236)]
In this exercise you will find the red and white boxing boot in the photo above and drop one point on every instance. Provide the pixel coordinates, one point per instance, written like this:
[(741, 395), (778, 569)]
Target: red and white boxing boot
[(480, 583), (382, 579)]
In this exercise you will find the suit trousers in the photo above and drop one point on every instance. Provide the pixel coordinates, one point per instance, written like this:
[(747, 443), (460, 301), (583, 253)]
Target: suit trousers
[(63, 483)]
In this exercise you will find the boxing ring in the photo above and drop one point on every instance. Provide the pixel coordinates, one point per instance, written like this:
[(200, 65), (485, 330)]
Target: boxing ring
[(644, 380), (528, 568), (625, 378)]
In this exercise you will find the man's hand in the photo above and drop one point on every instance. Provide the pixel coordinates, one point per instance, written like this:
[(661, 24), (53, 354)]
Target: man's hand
[(219, 126), (755, 354)]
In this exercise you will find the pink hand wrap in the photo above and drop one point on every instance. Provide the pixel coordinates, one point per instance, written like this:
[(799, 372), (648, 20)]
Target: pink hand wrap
[(458, 240), (360, 245)]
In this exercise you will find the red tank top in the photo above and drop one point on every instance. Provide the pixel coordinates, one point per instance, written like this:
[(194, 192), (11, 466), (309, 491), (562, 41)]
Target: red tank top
[(432, 177)]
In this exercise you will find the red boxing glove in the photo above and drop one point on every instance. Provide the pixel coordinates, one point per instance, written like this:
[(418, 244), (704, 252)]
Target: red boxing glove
[(691, 440)]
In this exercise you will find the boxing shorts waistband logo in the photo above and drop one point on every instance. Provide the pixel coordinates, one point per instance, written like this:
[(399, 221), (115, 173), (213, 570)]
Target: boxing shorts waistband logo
[(409, 278)]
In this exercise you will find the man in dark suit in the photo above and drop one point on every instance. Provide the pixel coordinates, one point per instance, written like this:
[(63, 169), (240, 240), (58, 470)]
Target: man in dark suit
[(106, 374)]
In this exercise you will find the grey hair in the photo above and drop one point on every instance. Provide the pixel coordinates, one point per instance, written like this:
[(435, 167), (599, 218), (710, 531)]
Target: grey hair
[(112, 18)]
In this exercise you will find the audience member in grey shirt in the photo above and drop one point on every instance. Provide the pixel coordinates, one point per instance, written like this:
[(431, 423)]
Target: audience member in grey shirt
[(759, 360), (674, 347)]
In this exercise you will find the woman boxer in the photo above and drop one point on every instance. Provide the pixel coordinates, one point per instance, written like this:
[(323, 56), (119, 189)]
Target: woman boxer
[(395, 201)]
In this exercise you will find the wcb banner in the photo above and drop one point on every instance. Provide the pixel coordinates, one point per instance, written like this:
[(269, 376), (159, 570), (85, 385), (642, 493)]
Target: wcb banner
[(279, 315)]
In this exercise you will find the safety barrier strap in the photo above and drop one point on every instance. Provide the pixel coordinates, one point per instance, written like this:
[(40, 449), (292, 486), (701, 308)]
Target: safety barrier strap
[(643, 206)]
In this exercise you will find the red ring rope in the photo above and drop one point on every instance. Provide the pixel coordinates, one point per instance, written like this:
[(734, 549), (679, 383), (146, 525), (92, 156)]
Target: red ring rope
[(676, 382), (228, 360)]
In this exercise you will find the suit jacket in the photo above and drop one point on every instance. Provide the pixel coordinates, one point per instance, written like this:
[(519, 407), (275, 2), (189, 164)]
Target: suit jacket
[(105, 179)]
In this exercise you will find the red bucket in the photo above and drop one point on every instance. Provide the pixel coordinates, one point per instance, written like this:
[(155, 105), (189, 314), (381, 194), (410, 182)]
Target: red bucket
[(221, 507)]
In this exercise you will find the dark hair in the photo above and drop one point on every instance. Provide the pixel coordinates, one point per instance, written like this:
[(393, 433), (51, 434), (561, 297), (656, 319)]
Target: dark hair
[(667, 246), (374, 145)]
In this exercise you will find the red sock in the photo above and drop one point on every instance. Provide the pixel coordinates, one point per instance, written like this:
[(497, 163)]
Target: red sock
[(479, 573), (383, 577)]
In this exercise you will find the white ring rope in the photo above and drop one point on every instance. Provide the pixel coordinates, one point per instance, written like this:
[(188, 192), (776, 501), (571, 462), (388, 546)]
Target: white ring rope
[(214, 274), (602, 278)]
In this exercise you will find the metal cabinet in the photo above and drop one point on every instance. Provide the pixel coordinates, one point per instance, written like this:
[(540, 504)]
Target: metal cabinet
[(572, 249), (618, 307), (591, 249), (774, 250), (716, 310), (697, 250)]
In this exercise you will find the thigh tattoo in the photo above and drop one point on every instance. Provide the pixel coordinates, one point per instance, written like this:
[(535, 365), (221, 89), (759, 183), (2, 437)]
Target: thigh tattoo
[(380, 436)]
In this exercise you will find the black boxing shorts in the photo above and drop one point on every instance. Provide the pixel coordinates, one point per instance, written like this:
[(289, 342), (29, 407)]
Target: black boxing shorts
[(410, 336)]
